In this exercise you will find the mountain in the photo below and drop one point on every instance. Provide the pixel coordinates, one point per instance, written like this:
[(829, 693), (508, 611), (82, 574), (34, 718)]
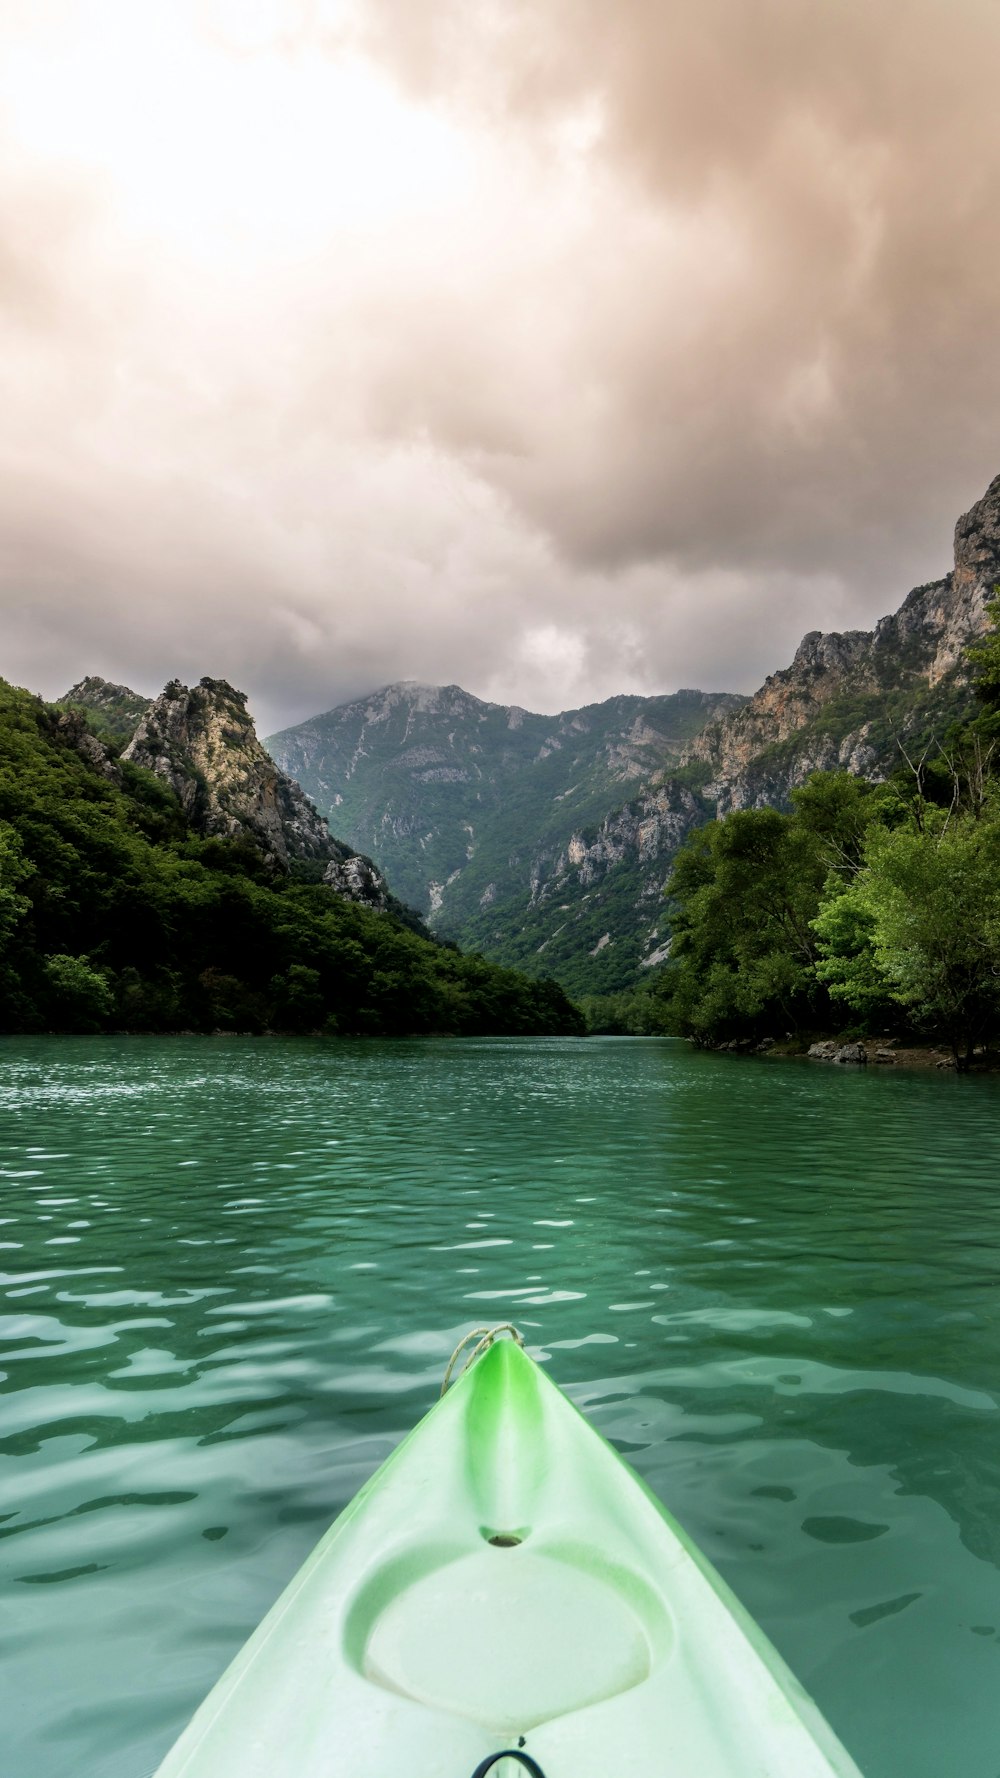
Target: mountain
[(850, 701), (595, 917), (478, 812), (546, 841), (853, 701), (202, 742), (849, 698), (176, 887), (111, 709)]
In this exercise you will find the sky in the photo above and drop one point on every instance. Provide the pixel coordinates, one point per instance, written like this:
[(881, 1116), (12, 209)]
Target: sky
[(553, 347)]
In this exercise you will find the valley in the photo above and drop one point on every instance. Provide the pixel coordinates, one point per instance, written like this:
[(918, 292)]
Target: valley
[(546, 841)]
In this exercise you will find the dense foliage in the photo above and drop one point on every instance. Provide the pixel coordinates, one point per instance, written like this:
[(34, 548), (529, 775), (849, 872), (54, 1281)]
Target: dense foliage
[(868, 908), (114, 915)]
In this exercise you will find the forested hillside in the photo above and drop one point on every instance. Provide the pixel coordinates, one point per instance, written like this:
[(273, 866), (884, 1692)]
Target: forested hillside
[(116, 913), (869, 909)]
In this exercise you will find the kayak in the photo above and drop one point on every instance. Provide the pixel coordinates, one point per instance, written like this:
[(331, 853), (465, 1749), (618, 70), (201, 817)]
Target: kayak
[(505, 1596)]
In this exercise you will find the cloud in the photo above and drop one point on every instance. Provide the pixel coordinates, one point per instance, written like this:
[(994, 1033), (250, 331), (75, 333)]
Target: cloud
[(555, 348), (776, 343)]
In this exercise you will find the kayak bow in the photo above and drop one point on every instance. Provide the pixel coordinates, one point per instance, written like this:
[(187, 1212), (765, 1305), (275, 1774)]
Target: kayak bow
[(504, 1596)]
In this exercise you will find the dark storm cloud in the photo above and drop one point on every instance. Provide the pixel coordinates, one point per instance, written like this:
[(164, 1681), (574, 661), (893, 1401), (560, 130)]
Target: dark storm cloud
[(630, 342)]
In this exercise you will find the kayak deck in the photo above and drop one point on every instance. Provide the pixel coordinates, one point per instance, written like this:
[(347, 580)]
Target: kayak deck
[(509, 1642), (505, 1579)]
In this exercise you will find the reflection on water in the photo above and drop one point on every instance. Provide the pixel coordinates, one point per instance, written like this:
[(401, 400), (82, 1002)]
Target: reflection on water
[(234, 1271)]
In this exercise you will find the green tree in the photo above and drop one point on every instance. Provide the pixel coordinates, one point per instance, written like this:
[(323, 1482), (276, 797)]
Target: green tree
[(746, 891), (847, 964), (298, 1001), (77, 998), (921, 923), (839, 810), (15, 870)]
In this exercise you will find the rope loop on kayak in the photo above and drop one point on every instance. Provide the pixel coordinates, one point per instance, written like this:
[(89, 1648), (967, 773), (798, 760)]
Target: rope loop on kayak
[(530, 1765), (485, 1337)]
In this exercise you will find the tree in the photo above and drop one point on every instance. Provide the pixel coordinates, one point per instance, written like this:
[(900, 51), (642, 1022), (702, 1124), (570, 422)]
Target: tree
[(921, 923), (77, 997), (15, 870), (746, 891)]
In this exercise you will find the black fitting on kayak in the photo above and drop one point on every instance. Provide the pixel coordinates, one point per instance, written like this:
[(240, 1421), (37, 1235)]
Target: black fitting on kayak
[(524, 1759)]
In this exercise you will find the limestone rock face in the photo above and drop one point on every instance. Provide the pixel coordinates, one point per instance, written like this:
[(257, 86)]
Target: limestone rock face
[(71, 725), (644, 831), (202, 742), (827, 711), (601, 893), (823, 667), (357, 879)]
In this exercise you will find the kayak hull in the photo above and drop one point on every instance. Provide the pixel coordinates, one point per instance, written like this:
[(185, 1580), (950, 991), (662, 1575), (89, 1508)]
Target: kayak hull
[(506, 1581)]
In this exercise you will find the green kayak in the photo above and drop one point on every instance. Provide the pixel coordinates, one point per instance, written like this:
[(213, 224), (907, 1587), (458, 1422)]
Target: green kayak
[(505, 1596)]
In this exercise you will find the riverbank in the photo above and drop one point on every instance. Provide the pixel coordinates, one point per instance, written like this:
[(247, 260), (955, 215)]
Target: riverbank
[(879, 1052)]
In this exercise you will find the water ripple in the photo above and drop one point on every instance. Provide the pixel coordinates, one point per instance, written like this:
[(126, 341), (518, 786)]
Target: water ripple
[(235, 1270)]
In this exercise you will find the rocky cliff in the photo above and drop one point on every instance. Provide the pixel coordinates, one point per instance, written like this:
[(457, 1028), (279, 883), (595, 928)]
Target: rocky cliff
[(849, 698), (594, 915), (545, 841), (202, 742)]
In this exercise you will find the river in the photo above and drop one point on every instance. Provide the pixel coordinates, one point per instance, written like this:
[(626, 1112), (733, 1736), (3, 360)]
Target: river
[(234, 1269)]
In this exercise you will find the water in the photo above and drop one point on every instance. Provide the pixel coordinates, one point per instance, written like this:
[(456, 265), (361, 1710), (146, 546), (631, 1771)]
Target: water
[(234, 1271)]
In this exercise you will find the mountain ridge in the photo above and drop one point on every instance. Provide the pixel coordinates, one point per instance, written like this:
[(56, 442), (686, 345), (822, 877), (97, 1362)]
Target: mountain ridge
[(473, 809), (114, 709), (908, 670), (546, 841), (584, 897)]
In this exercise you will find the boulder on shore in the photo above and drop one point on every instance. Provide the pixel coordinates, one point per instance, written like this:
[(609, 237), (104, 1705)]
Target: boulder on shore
[(829, 1051)]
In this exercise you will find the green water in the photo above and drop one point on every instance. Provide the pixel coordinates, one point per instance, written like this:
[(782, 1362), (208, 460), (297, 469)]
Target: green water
[(234, 1271)]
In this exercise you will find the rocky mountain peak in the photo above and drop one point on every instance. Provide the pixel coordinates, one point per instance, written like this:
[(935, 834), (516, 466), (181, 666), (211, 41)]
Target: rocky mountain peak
[(116, 708), (977, 541), (917, 651), (201, 741), (92, 689), (829, 651), (489, 817)]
